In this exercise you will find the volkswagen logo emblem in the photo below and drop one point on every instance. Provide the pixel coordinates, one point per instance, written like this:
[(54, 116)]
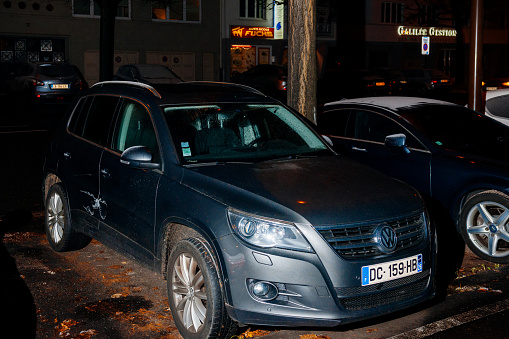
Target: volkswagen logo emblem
[(386, 239)]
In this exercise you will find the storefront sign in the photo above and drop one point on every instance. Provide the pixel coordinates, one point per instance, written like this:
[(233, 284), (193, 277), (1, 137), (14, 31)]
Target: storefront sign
[(425, 45), (279, 20), (427, 31), (252, 32)]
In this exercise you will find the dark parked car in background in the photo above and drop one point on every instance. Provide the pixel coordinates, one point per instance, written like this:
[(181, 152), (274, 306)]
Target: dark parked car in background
[(455, 157), (8, 71), (396, 81), (499, 81), (47, 82), (147, 74), (239, 203), (422, 82), (268, 79), (352, 83)]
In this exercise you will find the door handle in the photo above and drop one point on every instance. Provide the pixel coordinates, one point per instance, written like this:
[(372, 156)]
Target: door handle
[(105, 173), (67, 155), (359, 149)]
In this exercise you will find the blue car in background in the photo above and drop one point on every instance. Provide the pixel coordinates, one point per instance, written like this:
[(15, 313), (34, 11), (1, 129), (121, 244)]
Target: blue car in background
[(455, 157)]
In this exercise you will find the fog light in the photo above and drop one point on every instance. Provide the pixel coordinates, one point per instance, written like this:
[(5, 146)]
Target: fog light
[(264, 290)]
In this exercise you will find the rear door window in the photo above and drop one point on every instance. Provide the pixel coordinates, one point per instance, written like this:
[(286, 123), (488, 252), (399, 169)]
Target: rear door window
[(96, 124), (333, 122)]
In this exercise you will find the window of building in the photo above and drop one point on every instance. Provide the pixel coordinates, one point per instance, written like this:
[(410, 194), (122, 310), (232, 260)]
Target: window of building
[(392, 12), (177, 10), (92, 9), (428, 15), (252, 9)]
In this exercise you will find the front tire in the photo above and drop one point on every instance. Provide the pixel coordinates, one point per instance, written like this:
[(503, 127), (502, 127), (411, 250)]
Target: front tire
[(61, 236), (195, 293), (484, 225)]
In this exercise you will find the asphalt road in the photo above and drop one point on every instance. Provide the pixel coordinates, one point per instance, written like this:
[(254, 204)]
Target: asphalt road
[(98, 293)]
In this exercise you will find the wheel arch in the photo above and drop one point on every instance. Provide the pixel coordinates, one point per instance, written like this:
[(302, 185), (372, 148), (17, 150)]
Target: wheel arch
[(174, 231), (465, 196), (49, 180)]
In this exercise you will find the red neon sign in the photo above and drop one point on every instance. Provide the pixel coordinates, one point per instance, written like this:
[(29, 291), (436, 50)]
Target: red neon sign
[(252, 32)]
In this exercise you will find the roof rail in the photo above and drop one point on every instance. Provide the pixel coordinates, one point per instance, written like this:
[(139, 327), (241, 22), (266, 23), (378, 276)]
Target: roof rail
[(226, 84), (129, 83)]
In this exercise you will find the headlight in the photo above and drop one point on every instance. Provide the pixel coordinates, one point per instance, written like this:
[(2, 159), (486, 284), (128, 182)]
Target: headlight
[(267, 233)]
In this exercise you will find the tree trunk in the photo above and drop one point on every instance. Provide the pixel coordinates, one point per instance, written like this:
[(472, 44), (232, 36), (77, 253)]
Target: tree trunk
[(302, 57), (107, 38)]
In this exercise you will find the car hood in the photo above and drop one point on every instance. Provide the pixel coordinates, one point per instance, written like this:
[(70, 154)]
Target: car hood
[(323, 191)]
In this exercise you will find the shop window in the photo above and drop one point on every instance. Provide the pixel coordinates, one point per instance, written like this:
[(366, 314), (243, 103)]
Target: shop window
[(177, 10), (253, 9), (245, 57), (392, 12), (495, 17), (92, 9)]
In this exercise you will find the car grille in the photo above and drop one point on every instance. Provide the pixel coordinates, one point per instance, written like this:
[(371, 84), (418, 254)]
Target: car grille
[(406, 289), (358, 241)]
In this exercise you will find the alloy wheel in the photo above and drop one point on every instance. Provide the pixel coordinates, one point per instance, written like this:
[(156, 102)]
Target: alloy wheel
[(487, 228), (188, 287), (56, 217)]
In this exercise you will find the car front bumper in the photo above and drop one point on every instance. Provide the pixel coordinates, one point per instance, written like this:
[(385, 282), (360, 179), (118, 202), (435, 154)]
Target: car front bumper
[(308, 293)]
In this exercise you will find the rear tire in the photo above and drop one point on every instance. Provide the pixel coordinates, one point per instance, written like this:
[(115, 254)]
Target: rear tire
[(195, 293), (59, 231)]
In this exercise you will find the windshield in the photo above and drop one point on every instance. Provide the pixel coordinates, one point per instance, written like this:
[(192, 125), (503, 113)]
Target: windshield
[(155, 72), (455, 126), (239, 132), (57, 70)]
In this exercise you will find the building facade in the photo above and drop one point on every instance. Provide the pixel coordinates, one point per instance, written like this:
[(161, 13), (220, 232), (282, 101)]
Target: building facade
[(183, 35), (256, 32), (410, 34)]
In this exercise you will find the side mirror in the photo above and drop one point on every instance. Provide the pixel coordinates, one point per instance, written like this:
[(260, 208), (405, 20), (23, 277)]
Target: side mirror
[(138, 157), (397, 141)]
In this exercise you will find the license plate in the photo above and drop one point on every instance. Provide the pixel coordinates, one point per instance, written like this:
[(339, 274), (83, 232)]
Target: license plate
[(380, 84), (60, 86), (491, 88), (374, 274), (444, 80)]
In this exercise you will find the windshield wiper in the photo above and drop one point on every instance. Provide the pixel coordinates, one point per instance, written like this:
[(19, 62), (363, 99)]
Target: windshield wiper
[(292, 157), (218, 163)]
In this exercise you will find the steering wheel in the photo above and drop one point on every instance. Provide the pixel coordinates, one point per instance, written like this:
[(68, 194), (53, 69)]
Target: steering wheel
[(255, 142)]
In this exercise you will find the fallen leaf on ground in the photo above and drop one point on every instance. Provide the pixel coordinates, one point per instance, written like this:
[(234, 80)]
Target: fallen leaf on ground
[(314, 336), (251, 334)]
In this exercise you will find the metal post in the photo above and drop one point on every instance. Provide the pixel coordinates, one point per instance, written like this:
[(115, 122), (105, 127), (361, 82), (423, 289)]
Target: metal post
[(475, 100)]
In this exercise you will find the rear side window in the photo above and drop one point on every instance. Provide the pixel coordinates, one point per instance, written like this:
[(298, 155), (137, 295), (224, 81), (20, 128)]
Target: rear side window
[(79, 116), (499, 106), (96, 124)]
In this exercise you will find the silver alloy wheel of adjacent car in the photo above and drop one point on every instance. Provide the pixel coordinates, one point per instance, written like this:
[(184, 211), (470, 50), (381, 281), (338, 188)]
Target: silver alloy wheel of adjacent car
[(487, 228), (55, 215), (188, 287)]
